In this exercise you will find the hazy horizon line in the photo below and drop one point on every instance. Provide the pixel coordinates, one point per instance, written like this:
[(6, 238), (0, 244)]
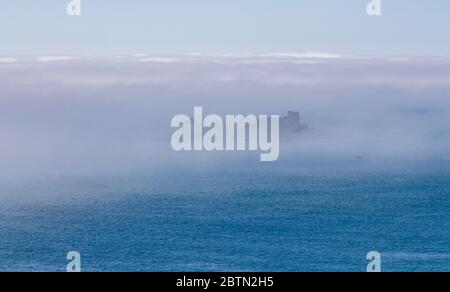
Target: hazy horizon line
[(173, 57)]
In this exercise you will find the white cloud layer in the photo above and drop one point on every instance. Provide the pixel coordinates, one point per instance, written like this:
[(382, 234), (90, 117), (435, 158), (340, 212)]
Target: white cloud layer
[(55, 58), (112, 114), (7, 60)]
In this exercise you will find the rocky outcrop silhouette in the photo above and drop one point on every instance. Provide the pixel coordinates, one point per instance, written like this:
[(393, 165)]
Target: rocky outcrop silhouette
[(291, 124)]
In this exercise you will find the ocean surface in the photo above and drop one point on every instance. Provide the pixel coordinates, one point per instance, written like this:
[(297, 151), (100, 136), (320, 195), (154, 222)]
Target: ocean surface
[(255, 218)]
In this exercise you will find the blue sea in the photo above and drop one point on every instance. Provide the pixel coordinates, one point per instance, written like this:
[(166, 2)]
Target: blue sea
[(255, 218)]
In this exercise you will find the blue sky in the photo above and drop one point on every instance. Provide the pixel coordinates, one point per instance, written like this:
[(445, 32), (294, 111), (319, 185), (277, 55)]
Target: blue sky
[(415, 27)]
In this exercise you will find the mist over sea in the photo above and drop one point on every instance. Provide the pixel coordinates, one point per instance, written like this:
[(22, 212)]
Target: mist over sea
[(86, 164)]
